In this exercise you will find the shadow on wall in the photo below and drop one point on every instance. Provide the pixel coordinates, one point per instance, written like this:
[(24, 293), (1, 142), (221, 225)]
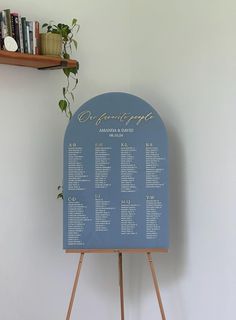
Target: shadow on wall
[(170, 266)]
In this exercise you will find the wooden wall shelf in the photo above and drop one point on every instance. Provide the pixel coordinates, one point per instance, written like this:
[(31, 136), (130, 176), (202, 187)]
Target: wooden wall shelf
[(35, 61)]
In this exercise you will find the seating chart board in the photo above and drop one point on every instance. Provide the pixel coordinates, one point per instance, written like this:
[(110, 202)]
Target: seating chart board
[(115, 184)]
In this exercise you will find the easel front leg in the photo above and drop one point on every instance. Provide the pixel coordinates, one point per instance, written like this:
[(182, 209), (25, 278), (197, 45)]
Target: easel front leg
[(75, 286), (154, 277), (121, 286)]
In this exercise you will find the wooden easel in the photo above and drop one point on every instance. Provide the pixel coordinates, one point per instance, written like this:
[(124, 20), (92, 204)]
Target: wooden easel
[(120, 268)]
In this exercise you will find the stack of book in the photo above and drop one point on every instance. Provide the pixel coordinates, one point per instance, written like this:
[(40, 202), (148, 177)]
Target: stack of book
[(25, 33)]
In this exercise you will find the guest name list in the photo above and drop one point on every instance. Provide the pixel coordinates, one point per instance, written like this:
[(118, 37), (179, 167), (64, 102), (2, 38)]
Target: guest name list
[(115, 176)]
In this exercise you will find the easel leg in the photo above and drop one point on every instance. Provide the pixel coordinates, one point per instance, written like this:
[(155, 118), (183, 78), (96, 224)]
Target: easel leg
[(75, 286), (121, 286), (154, 277)]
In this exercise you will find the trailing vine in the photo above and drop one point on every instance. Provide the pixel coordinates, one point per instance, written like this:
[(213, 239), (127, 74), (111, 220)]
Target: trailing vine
[(68, 43)]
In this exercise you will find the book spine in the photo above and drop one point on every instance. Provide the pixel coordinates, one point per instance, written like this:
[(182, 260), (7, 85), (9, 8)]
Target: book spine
[(24, 30), (28, 36), (4, 25), (13, 34), (8, 22), (31, 37), (1, 39), (15, 24), (36, 37), (21, 35)]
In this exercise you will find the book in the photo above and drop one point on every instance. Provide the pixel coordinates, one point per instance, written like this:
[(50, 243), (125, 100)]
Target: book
[(6, 23), (15, 28), (31, 37), (1, 39), (21, 34), (28, 36), (12, 27), (24, 31), (4, 28), (36, 37)]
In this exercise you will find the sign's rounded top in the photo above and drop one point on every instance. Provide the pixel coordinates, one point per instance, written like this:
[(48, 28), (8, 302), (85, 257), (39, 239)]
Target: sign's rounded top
[(117, 108)]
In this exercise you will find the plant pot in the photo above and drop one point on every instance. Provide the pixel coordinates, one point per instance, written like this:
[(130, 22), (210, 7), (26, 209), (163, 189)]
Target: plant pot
[(50, 44)]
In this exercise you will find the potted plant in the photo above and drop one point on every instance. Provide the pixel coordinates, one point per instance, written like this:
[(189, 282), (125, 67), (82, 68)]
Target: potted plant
[(65, 36), (50, 44)]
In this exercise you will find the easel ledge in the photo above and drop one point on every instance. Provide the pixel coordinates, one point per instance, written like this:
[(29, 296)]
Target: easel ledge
[(161, 250)]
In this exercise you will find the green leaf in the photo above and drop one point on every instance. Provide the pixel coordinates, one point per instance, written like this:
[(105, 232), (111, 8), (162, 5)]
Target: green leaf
[(63, 105), (66, 71), (66, 55), (73, 70), (55, 31), (44, 25), (74, 21), (60, 195), (76, 82)]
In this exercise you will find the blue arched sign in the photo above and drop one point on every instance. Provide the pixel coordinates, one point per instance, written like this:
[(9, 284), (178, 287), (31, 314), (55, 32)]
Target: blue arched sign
[(115, 176)]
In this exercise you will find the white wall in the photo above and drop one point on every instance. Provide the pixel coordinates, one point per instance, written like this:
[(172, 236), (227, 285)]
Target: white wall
[(181, 57)]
